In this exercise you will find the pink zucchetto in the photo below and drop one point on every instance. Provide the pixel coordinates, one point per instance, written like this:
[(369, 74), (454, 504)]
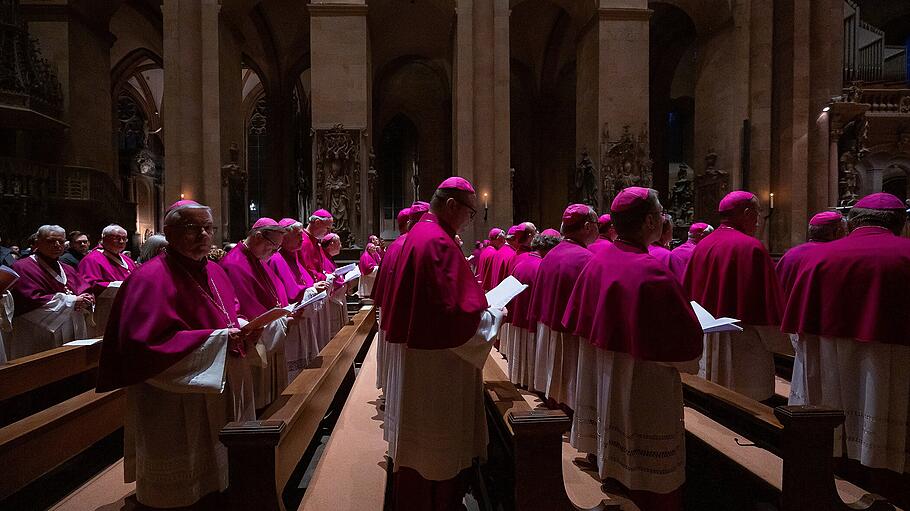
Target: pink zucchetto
[(287, 222), (826, 218), (698, 227), (322, 213), (515, 229), (576, 214), (550, 232), (403, 214), (604, 220), (182, 203), (881, 200), (734, 200), (458, 183), (417, 210), (264, 223), (629, 198), (495, 232)]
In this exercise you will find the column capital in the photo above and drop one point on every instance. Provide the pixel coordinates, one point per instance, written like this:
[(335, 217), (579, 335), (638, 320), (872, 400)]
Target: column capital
[(624, 14), (336, 9)]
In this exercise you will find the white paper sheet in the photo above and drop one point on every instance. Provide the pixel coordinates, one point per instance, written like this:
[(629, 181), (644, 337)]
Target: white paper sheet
[(345, 269), (115, 284), (83, 342), (501, 295), (352, 275), (304, 303), (710, 324)]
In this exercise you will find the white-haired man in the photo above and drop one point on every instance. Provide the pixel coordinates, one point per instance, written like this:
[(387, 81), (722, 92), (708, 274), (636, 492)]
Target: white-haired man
[(175, 345), (104, 269), (51, 300)]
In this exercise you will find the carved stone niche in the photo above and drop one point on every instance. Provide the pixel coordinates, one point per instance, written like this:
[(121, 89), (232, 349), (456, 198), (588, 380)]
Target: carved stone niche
[(233, 196), (336, 167), (624, 161), (710, 187)]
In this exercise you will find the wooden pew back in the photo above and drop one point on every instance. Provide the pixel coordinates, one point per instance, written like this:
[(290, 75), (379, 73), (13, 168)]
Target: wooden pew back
[(39, 443), (263, 454), (801, 436)]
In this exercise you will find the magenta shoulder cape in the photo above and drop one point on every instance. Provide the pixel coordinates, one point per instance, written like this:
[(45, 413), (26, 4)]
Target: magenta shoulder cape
[(311, 256), (599, 245), (788, 265), (556, 276), (679, 259), (629, 302), (526, 273), (36, 287), (386, 273), (159, 316), (434, 301), (519, 258), (291, 273), (367, 263), (257, 287), (855, 287), (499, 265), (660, 253), (485, 267), (731, 274), (97, 270)]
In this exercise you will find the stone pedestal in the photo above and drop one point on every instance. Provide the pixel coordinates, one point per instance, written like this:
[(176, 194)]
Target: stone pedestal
[(612, 102), (192, 112), (481, 143), (340, 112)]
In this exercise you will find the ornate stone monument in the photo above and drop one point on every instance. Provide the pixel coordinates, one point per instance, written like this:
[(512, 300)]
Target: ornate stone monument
[(624, 161), (682, 198), (710, 187), (336, 153)]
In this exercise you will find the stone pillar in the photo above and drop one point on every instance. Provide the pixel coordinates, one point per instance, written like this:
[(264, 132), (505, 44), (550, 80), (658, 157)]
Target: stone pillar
[(340, 112), (612, 93), (192, 105), (481, 135), (760, 92)]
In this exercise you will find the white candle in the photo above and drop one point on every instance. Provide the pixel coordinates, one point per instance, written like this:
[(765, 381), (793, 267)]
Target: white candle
[(772, 201)]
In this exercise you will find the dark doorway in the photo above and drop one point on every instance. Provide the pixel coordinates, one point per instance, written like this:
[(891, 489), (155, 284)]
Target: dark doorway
[(399, 171)]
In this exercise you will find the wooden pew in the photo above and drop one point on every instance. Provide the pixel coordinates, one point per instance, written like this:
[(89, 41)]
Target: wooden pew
[(263, 454), (35, 444), (542, 475), (789, 448)]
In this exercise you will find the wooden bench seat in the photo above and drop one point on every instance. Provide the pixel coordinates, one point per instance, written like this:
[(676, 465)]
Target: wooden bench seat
[(105, 491), (263, 454), (355, 455), (788, 448)]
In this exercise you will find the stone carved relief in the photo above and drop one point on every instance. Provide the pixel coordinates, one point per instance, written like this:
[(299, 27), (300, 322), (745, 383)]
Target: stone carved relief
[(625, 161), (848, 182), (710, 187), (337, 155), (682, 198), (26, 77)]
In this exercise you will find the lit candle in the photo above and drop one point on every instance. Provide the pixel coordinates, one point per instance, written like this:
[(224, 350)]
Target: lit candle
[(772, 200), (484, 199), (182, 196)]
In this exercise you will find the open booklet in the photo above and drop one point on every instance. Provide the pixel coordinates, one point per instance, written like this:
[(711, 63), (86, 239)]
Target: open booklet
[(501, 295), (8, 277), (710, 324), (352, 275), (83, 342), (344, 269), (267, 317)]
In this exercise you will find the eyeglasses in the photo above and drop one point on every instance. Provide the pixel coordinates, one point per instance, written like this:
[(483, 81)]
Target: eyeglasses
[(274, 244), (196, 228), (473, 211)]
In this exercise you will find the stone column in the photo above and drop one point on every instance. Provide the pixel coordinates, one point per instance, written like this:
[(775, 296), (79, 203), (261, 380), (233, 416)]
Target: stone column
[(341, 99), (192, 105), (481, 109), (612, 91)]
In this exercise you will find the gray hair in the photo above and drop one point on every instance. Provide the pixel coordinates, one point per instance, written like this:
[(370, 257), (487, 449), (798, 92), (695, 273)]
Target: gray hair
[(544, 243), (315, 218), (45, 230), (296, 226), (151, 246), (111, 229), (174, 216), (893, 220)]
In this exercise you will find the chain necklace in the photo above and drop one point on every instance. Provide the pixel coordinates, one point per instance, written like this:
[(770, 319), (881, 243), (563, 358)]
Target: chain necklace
[(219, 303), (260, 268), (59, 277)]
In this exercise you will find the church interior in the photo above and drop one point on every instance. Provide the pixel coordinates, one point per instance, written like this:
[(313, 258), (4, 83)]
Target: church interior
[(121, 112)]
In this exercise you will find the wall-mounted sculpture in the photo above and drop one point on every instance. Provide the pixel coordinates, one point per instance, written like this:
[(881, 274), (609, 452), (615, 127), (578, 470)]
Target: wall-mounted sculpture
[(624, 161), (233, 195), (682, 198), (710, 187), (585, 182), (337, 169)]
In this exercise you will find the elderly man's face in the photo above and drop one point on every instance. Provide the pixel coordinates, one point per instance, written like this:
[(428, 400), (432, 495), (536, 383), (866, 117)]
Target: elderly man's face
[(292, 240), (80, 244), (334, 247), (51, 245), (265, 243), (114, 242), (192, 236)]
